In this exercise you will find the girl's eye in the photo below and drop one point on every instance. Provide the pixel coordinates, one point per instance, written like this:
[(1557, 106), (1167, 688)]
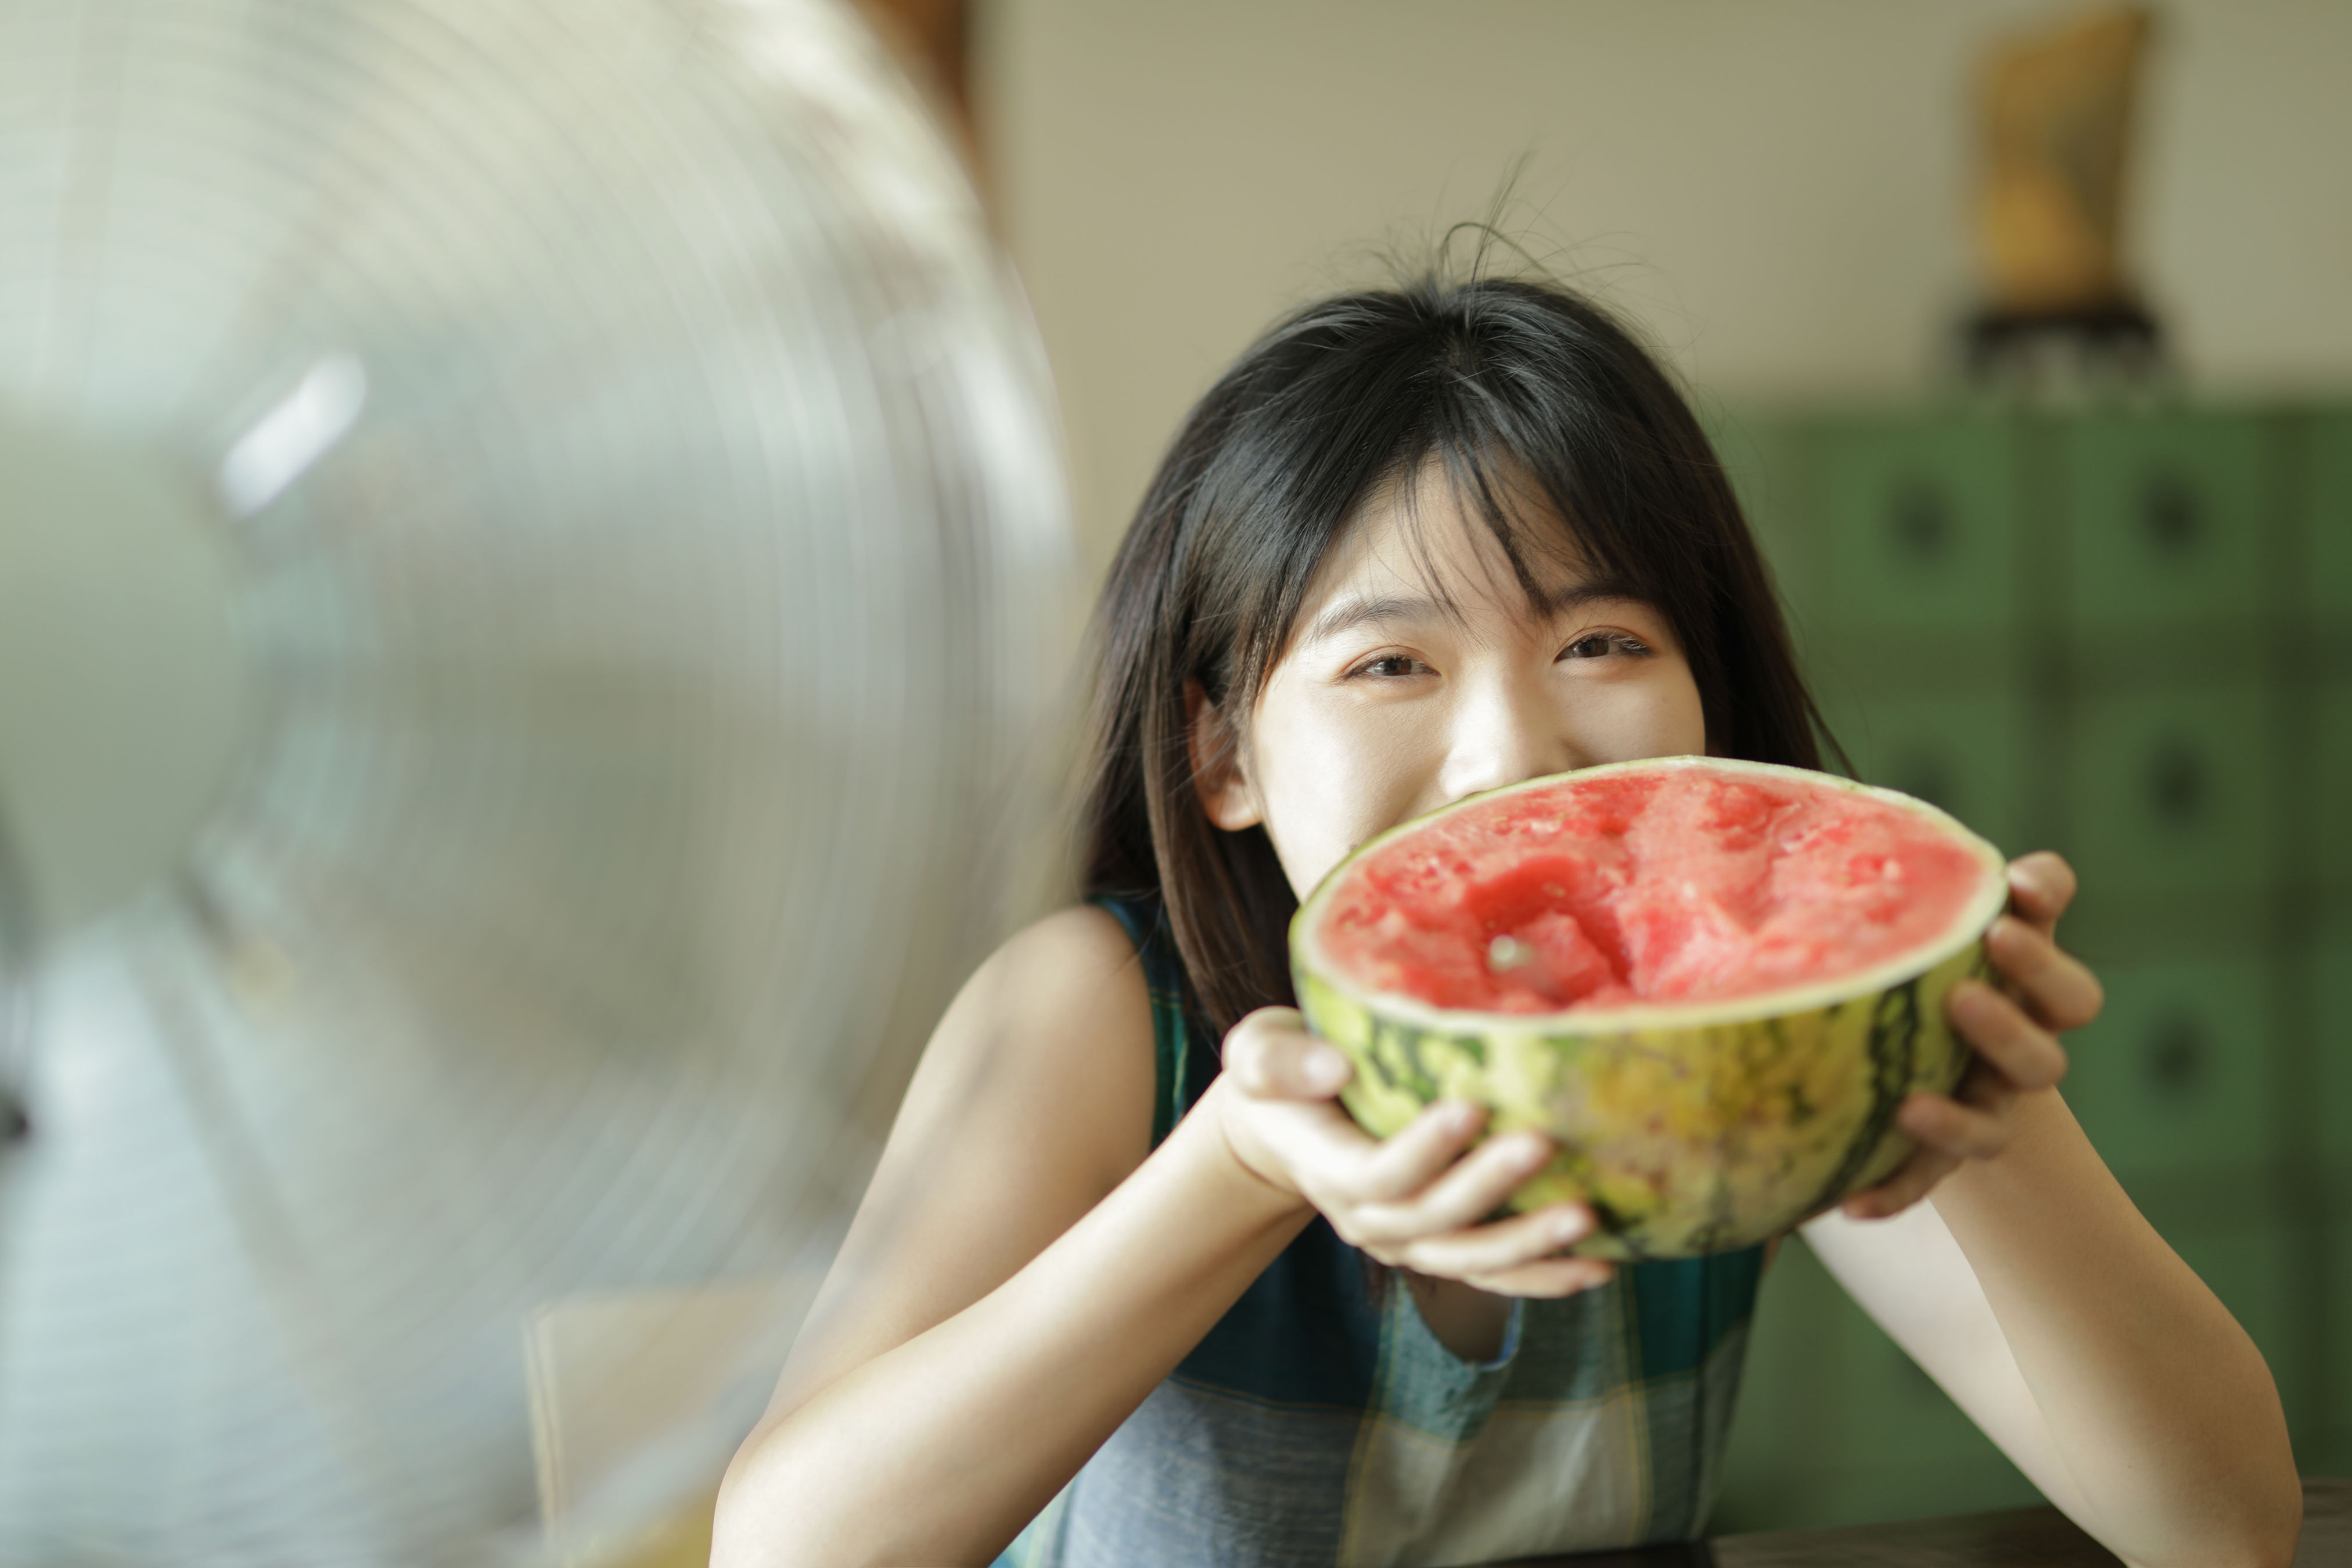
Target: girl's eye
[(1391, 665), (1600, 644)]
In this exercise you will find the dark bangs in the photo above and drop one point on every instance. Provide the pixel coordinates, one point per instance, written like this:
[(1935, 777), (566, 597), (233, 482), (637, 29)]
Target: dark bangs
[(1541, 409)]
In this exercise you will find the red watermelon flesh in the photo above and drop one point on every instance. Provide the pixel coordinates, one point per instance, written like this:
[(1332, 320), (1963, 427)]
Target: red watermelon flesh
[(1665, 886)]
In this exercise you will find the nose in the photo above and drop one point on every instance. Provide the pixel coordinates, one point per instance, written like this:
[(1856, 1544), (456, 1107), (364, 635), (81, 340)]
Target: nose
[(1505, 728)]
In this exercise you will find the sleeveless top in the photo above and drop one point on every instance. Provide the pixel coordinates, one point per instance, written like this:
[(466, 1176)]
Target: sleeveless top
[(1321, 1424)]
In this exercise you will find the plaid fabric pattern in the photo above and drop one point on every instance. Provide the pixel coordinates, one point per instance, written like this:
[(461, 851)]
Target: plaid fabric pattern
[(1320, 1425)]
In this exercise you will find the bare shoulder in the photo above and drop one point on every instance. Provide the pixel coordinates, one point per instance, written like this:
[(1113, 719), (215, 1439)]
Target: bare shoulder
[(1074, 959), (1059, 1019), (1047, 1048), (1033, 1100)]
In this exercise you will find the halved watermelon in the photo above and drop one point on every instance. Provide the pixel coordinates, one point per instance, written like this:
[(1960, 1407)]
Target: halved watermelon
[(1712, 982)]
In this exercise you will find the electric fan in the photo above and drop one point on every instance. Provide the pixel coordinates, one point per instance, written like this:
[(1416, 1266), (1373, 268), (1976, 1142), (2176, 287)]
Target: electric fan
[(532, 559)]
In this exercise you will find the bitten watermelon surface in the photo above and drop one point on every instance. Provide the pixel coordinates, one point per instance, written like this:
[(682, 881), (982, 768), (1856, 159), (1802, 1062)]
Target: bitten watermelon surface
[(1712, 982)]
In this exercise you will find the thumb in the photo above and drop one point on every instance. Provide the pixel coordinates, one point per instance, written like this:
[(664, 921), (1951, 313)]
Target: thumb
[(1272, 1056)]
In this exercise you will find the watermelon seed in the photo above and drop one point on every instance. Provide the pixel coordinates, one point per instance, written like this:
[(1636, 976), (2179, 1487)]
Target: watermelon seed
[(1506, 952)]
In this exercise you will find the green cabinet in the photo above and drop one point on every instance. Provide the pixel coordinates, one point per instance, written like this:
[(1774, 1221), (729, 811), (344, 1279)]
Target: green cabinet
[(2325, 1444), (2332, 781), (2174, 1076), (1916, 530), (2329, 553), (2171, 791), (1965, 754), (2126, 633), (2331, 1022), (2164, 521), (2327, 1451)]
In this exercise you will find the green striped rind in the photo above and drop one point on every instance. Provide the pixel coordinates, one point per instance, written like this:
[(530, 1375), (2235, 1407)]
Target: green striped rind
[(1683, 1141)]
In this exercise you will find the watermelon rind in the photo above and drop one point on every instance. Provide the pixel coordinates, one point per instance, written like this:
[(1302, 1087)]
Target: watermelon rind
[(1689, 1128)]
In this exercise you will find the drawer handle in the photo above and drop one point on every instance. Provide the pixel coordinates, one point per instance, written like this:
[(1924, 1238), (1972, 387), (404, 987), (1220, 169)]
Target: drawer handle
[(1919, 522), (2175, 1060), (2171, 515), (2175, 783)]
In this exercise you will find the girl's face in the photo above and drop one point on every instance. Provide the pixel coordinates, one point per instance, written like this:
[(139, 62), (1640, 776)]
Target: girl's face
[(1387, 704)]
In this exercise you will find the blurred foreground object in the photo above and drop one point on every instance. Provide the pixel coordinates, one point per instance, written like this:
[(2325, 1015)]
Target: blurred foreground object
[(533, 571), (617, 1379), (2057, 110), (933, 40)]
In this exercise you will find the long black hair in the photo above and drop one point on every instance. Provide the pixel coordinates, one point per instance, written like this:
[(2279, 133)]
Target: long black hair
[(1520, 388)]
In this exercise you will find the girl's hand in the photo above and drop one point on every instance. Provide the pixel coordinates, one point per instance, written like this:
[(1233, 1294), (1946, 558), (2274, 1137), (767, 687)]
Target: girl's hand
[(1414, 1201), (2014, 1032)]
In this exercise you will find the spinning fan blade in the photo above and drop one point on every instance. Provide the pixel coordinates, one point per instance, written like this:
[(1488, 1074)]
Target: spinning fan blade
[(547, 720)]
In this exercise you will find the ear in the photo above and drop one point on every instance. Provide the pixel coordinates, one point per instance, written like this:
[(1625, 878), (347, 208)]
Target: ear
[(1218, 777)]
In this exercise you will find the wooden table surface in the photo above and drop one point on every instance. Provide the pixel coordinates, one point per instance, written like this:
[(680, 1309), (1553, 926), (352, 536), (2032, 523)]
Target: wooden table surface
[(2025, 1538)]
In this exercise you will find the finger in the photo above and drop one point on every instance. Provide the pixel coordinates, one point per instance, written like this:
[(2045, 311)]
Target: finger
[(1965, 1131), (2041, 887), (1474, 1188), (1915, 1178), (1272, 1056), (1457, 1254), (1986, 1087), (1400, 1166), (2025, 1053), (1318, 1145), (1553, 1277), (2059, 987), (1947, 1132)]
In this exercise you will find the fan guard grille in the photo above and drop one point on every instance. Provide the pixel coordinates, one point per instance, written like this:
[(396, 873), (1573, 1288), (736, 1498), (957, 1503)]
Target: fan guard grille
[(650, 564)]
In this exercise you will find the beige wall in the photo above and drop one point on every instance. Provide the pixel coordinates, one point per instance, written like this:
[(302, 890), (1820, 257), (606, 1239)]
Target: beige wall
[(1774, 186)]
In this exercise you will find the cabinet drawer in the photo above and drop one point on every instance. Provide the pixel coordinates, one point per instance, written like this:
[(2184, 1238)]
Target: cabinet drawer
[(2170, 792), (2331, 797), (2165, 521), (1917, 530), (1963, 753), (2329, 546), (2330, 1450), (2331, 1030), (2175, 1076)]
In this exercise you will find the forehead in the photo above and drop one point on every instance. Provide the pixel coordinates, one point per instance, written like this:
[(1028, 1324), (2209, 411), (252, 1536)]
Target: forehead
[(1424, 538)]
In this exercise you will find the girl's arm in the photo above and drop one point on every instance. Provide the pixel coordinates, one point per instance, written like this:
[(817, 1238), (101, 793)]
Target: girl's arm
[(2034, 1291), (1020, 1275), (2030, 1288), (981, 1332)]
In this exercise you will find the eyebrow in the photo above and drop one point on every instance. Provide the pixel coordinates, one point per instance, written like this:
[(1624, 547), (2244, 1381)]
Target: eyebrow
[(1390, 609)]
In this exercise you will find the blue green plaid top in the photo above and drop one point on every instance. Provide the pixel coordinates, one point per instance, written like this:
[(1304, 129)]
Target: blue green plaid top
[(1317, 1425)]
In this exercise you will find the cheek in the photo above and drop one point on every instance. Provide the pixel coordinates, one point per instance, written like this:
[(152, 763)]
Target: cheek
[(1656, 712), (1690, 719), (1335, 779), (1662, 717)]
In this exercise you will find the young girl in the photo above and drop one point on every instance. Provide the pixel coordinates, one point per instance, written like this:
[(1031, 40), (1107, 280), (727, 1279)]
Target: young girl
[(1109, 1291)]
